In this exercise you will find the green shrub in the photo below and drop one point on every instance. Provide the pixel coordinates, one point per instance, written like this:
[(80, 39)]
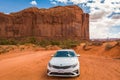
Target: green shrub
[(69, 44), (8, 42), (4, 42), (32, 40), (63, 44), (55, 43), (12, 42), (43, 43)]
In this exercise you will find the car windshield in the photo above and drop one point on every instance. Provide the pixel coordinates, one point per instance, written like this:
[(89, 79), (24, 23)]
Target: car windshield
[(65, 54)]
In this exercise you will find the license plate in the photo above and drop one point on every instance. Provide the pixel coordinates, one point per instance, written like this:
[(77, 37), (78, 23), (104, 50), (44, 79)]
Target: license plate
[(61, 71)]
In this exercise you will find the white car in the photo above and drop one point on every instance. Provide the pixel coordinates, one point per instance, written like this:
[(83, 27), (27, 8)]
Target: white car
[(64, 63)]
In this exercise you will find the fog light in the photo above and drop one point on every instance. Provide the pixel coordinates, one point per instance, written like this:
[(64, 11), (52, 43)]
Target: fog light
[(76, 71)]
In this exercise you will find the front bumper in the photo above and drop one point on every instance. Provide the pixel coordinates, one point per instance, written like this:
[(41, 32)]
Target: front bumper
[(71, 72)]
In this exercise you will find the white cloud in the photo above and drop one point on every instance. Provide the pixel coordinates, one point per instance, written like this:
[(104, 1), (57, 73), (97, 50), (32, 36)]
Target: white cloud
[(114, 35), (107, 6), (53, 2), (78, 1), (62, 1), (6, 13), (101, 28), (100, 24), (72, 1), (34, 3)]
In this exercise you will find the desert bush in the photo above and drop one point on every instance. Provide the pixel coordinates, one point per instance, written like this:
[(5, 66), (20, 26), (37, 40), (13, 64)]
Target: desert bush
[(22, 48), (97, 43), (43, 43), (8, 42), (55, 43), (69, 44), (4, 50), (32, 40), (12, 42), (108, 46), (9, 48), (4, 42), (62, 44), (118, 42)]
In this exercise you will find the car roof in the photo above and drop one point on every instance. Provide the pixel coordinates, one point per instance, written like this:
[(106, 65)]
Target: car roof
[(66, 50)]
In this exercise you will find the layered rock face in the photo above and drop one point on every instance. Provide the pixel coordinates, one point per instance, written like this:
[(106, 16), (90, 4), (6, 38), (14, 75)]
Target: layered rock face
[(59, 23)]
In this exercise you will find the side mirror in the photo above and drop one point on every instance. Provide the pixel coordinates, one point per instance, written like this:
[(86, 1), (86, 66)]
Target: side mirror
[(78, 55)]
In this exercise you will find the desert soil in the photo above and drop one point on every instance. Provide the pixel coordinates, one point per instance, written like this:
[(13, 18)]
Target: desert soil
[(33, 65)]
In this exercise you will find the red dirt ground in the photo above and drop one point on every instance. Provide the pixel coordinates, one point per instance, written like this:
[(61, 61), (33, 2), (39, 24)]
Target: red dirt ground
[(32, 65)]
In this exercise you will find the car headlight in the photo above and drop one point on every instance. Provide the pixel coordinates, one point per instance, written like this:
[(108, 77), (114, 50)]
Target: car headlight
[(74, 65)]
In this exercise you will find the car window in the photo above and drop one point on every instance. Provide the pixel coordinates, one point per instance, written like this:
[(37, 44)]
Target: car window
[(65, 54)]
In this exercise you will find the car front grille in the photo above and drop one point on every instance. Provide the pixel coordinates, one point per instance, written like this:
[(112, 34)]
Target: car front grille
[(61, 67)]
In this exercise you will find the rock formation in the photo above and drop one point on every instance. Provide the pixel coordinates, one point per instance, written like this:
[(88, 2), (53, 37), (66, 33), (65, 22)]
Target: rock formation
[(68, 22)]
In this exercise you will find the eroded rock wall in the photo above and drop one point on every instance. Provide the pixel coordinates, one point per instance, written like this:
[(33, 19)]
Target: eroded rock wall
[(67, 22)]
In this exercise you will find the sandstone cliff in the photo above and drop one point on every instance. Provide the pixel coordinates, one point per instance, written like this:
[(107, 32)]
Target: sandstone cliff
[(68, 22)]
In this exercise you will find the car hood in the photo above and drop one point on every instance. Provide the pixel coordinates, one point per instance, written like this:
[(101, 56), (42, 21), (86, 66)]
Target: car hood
[(63, 61)]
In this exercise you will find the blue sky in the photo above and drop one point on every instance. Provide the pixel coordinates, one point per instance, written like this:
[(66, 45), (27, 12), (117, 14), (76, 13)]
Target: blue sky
[(8, 6), (104, 14)]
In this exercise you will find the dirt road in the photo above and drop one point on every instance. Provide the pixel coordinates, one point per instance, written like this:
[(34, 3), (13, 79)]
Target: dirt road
[(33, 67)]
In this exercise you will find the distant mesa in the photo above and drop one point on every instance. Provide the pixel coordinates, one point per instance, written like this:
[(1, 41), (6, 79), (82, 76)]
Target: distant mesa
[(57, 23)]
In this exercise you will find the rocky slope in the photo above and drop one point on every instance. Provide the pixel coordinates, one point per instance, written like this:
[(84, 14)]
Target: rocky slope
[(68, 22)]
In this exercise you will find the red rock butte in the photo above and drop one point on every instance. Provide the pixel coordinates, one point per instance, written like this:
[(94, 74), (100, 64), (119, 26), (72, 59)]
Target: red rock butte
[(59, 23)]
